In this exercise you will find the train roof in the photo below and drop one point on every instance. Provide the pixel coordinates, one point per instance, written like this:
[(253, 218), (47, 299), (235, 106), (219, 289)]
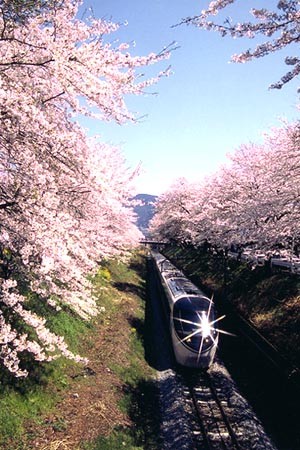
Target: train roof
[(175, 273), (180, 286), (166, 265)]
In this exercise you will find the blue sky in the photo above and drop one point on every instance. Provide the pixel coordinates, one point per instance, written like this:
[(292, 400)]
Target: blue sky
[(207, 108)]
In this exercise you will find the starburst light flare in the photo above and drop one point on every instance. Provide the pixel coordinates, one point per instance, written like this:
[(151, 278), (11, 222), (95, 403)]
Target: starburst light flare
[(204, 327)]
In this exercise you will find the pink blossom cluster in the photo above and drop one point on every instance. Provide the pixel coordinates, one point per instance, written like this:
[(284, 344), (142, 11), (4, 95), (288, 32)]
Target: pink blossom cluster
[(279, 29), (254, 198), (64, 198)]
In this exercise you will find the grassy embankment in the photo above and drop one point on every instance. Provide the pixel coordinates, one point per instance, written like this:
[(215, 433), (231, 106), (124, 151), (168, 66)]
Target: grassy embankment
[(103, 406), (270, 301)]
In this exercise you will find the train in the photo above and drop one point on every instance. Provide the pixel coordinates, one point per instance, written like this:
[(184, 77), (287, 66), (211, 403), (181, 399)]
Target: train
[(191, 315)]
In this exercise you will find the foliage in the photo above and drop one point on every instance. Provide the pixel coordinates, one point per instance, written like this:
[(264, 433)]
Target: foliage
[(280, 28), (63, 197)]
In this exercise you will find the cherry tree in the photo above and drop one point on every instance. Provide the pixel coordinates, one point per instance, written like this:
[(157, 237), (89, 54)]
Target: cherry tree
[(281, 193), (260, 197), (172, 213), (280, 28), (255, 198), (63, 197)]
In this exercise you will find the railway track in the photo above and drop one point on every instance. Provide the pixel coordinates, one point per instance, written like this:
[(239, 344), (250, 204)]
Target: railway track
[(220, 416), (202, 410), (212, 411)]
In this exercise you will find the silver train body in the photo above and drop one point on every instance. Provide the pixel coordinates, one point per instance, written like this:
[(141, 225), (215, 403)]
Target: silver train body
[(191, 315)]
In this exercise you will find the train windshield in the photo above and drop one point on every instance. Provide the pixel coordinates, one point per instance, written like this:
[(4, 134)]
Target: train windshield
[(193, 319)]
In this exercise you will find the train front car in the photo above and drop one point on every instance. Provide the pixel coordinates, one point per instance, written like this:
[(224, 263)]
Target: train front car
[(194, 336), (192, 317)]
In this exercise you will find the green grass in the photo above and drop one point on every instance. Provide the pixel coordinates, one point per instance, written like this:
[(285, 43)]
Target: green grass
[(16, 409), (138, 387), (27, 399), (119, 439), (24, 403)]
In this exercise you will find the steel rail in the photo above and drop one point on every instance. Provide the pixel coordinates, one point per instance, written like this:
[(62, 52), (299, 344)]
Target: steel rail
[(217, 431)]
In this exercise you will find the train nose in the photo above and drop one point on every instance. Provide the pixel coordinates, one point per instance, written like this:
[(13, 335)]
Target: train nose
[(194, 326)]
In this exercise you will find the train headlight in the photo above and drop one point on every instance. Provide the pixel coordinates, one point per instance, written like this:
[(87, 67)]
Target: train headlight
[(205, 325)]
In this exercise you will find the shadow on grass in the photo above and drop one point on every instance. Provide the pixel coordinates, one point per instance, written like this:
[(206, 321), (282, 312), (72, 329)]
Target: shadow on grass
[(142, 395), (39, 374), (131, 288), (143, 411), (139, 325), (153, 333), (139, 266), (141, 405)]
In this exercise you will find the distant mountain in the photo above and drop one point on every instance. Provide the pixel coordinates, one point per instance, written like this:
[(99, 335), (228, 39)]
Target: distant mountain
[(144, 210)]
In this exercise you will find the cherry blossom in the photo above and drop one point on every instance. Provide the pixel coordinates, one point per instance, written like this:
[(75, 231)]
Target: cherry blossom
[(279, 28), (253, 199), (64, 197)]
